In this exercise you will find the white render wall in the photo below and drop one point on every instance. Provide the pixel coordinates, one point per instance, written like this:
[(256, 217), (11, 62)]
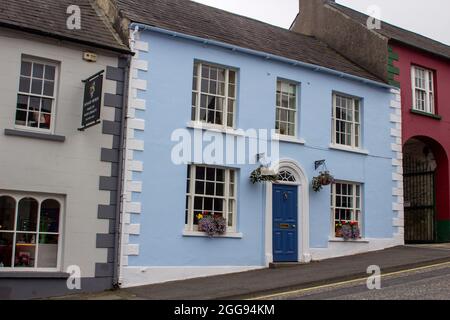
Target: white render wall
[(71, 168)]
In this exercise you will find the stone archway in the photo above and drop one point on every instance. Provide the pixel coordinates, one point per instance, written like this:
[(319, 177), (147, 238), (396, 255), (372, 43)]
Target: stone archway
[(426, 190)]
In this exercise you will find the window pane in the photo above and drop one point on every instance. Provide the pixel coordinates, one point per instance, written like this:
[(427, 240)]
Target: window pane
[(38, 70), (22, 102), (209, 188), (24, 84), (199, 187), (208, 204), (205, 71), (231, 91), (46, 105), (44, 121), (232, 77), (198, 204), (27, 215), (35, 103), (25, 69), (200, 173), (220, 189), (36, 86), (21, 118), (210, 174), (49, 221), (218, 205), (33, 119), (7, 213), (49, 87), (25, 250), (230, 212), (50, 72), (6, 246), (48, 251)]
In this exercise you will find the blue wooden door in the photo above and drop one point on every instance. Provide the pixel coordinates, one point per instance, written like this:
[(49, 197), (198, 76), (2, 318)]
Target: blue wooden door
[(285, 224)]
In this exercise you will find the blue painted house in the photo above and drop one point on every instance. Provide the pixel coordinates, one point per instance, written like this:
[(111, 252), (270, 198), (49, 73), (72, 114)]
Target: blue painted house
[(213, 97)]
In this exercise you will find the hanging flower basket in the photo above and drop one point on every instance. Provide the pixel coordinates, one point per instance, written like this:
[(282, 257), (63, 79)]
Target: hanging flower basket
[(263, 175), (211, 225), (323, 179)]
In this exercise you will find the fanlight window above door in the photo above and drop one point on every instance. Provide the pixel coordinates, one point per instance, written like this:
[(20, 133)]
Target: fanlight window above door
[(286, 176)]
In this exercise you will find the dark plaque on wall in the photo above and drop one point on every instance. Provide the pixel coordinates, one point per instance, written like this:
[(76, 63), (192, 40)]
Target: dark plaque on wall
[(92, 101)]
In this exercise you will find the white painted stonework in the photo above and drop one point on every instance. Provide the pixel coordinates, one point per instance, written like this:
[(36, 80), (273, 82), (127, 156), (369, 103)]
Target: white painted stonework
[(139, 276), (397, 163), (133, 145)]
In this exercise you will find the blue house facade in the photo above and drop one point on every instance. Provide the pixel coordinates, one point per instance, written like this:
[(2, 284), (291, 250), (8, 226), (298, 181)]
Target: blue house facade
[(205, 114)]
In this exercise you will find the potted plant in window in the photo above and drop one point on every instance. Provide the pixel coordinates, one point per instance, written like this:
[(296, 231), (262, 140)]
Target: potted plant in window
[(212, 225)]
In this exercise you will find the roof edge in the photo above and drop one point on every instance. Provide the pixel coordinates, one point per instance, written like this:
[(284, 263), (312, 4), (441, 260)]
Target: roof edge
[(16, 27), (261, 54)]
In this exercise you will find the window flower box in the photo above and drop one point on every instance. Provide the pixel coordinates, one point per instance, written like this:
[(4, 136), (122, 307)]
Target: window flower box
[(348, 230), (212, 225)]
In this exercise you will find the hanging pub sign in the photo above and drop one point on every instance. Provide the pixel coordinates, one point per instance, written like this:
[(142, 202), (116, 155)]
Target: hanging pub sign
[(92, 101)]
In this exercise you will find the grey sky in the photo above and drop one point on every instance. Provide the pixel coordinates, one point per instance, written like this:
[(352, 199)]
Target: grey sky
[(429, 18)]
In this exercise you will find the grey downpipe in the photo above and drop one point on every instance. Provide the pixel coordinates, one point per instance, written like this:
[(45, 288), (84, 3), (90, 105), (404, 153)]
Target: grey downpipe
[(122, 154)]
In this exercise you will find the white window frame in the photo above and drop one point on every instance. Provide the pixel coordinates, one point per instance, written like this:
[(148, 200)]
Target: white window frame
[(428, 90), (190, 196), (356, 142), (354, 209), (279, 107), (33, 60), (198, 93), (39, 198)]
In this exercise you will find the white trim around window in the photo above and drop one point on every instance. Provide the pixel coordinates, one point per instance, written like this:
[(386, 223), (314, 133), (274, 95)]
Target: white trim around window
[(346, 204), (37, 95), (30, 232), (212, 190), (423, 91), (214, 95), (346, 121), (286, 111)]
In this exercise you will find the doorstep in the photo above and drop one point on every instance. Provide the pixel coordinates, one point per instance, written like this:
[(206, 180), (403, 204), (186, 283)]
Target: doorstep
[(278, 265)]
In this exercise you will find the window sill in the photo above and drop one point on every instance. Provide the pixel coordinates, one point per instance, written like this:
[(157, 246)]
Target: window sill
[(34, 135), (214, 128), (348, 241), (232, 235), (288, 139), (349, 149), (33, 275), (426, 114)]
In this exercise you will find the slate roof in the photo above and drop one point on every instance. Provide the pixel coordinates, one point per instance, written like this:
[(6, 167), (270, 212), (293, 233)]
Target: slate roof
[(48, 17), (396, 33), (203, 21)]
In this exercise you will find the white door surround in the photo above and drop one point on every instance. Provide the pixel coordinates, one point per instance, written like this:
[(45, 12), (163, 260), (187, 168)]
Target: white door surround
[(303, 210)]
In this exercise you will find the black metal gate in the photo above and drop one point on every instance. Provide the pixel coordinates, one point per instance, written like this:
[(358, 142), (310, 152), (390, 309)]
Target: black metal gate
[(420, 201)]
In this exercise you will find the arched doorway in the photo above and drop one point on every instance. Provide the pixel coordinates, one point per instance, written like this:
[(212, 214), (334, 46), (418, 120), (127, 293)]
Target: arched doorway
[(425, 171), (292, 181)]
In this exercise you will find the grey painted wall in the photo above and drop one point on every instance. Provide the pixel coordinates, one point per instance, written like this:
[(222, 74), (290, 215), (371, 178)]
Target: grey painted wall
[(79, 167)]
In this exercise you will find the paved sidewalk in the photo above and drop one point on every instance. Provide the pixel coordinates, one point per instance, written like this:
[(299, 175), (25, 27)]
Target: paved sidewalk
[(252, 283)]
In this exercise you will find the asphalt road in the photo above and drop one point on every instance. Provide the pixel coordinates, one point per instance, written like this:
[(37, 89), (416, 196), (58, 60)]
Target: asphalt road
[(430, 283)]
